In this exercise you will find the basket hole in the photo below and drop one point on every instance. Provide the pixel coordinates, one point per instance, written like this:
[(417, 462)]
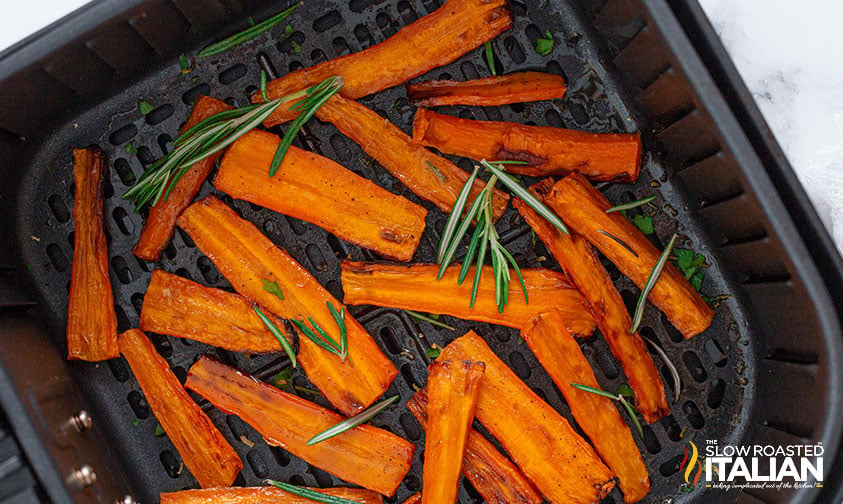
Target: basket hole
[(123, 221), (672, 428), (360, 5), (472, 492), (578, 110), (363, 36), (59, 209), (520, 365), (123, 322), (553, 118), (185, 238), (341, 146), (159, 114), (607, 364), (411, 426), (257, 463), (298, 226), (409, 377), (233, 74), (715, 353), (165, 143), (651, 442), (386, 25), (334, 288), (162, 345), (408, 15), (145, 155), (469, 71), (281, 457), (412, 483), (123, 135), (289, 44), (328, 21), (493, 113), (138, 404), (237, 427), (692, 413), (341, 47), (57, 258), (182, 272), (515, 50), (502, 334), (193, 93), (180, 372), (323, 479), (170, 250), (269, 226), (171, 463), (387, 335), (124, 171), (555, 68), (207, 269), (121, 269), (715, 393), (337, 246), (137, 302), (695, 367), (119, 369), (314, 255), (107, 189), (671, 466)]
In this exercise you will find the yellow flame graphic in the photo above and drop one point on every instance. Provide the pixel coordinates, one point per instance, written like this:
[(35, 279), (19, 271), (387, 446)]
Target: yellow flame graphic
[(692, 463)]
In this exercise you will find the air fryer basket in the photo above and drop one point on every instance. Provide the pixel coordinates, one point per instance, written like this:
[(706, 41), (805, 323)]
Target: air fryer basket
[(767, 371)]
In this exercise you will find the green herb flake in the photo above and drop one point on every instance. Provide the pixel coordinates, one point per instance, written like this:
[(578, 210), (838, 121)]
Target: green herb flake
[(251, 21), (288, 30), (432, 353), (644, 223), (159, 431), (697, 280), (296, 47), (29, 266), (185, 64), (625, 390), (283, 378), (131, 149), (544, 46), (273, 288), (144, 107), (136, 422)]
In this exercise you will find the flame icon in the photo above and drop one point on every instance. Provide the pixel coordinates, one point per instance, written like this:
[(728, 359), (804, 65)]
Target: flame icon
[(689, 463)]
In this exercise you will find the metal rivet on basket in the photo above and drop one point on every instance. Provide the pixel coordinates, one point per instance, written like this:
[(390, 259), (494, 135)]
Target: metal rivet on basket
[(81, 421), (127, 499), (82, 477)]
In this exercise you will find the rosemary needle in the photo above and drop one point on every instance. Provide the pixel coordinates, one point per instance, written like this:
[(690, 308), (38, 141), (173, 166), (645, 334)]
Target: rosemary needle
[(323, 339), (247, 34), (631, 204), (350, 423), (277, 333), (651, 282), (308, 493), (615, 397), (619, 241)]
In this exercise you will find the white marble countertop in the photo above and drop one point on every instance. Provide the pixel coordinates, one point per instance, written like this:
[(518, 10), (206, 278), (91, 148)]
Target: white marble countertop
[(788, 56)]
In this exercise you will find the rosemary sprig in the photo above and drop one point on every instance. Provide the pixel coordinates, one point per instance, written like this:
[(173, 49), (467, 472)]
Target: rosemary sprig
[(430, 320), (314, 98), (307, 493), (651, 282), (674, 373), (324, 340), (512, 184), (490, 57), (352, 422), (630, 410), (631, 204), (277, 333), (247, 34), (619, 241)]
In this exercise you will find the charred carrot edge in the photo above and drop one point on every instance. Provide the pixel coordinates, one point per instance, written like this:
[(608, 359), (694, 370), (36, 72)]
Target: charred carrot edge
[(493, 475), (431, 177), (91, 320), (367, 456), (264, 495), (158, 227), (183, 308), (246, 258), (604, 302), (453, 387), (548, 151), (205, 452), (414, 499), (432, 41), (562, 465), (315, 189), (496, 90), (598, 416), (415, 287), (583, 208)]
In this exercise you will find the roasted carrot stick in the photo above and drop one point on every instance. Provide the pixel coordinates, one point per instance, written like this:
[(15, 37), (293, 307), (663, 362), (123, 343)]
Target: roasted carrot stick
[(562, 465), (246, 258), (367, 456), (415, 287), (314, 188), (180, 307), (91, 320), (548, 150), (263, 495), (204, 451), (159, 226), (489, 91), (414, 499), (604, 302), (598, 416), (453, 387), (584, 208), (434, 40), (494, 476), (431, 177)]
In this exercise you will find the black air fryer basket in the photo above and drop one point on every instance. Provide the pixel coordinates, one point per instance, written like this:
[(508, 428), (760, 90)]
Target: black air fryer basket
[(767, 370)]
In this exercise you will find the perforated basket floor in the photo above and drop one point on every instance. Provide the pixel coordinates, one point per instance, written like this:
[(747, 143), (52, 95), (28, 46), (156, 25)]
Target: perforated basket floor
[(715, 396)]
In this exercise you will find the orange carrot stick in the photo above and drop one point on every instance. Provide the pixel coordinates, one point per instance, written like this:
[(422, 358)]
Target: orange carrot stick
[(264, 495), (583, 207), (431, 177), (159, 226), (414, 499), (367, 456), (415, 287), (604, 302), (180, 307), (434, 40), (246, 258), (548, 150), (315, 189), (496, 90), (453, 387), (494, 476), (205, 452), (562, 465), (91, 320), (598, 416)]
